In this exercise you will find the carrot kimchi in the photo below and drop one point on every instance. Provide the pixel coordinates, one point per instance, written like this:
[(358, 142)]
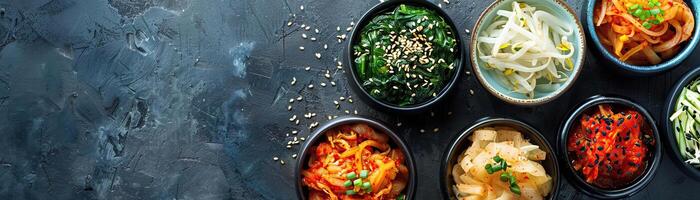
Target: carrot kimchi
[(355, 162), (643, 32), (610, 149)]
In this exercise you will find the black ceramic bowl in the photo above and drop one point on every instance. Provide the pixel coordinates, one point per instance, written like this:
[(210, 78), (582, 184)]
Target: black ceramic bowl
[(395, 142), (462, 142), (354, 39), (670, 133), (636, 185)]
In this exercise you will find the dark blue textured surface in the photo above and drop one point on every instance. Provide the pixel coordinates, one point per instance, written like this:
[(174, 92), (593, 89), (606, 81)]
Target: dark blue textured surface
[(187, 99)]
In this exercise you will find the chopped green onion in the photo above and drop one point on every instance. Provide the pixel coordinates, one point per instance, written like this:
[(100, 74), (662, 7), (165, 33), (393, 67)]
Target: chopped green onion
[(350, 192), (401, 197), (504, 177), (347, 183), (351, 176), (366, 185), (364, 173), (655, 11), (497, 158), (357, 182), (515, 189), (634, 7), (646, 25), (637, 12)]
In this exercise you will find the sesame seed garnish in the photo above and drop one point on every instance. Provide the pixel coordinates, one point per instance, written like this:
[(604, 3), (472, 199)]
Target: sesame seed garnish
[(435, 130), (296, 122), (318, 55), (307, 68), (294, 80), (303, 35), (307, 28), (289, 23), (422, 130), (303, 25), (301, 48), (471, 91), (275, 158), (311, 86), (323, 84), (355, 112), (348, 29), (294, 117), (337, 28), (347, 111), (282, 161), (466, 31), (295, 132), (325, 46), (316, 30), (300, 98), (301, 7), (333, 83), (446, 1), (313, 39), (291, 100), (294, 156), (335, 102), (341, 98), (398, 124), (289, 107)]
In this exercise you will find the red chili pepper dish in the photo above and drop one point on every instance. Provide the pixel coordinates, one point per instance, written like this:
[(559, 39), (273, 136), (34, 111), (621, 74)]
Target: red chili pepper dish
[(610, 146)]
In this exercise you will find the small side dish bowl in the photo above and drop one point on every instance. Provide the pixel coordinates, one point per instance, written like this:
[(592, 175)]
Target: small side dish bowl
[(618, 183), (669, 127), (490, 78), (318, 135), (686, 49), (423, 103), (462, 142)]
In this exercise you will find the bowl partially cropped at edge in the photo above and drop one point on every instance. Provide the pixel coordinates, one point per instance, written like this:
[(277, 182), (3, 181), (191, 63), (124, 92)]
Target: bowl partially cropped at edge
[(669, 109), (318, 133), (577, 181), (461, 142), (685, 51), (354, 39), (555, 7)]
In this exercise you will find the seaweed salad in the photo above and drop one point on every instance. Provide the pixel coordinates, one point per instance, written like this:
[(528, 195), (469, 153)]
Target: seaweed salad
[(405, 56)]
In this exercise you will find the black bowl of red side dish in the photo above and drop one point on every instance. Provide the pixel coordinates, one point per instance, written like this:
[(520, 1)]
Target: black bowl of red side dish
[(318, 136), (611, 147)]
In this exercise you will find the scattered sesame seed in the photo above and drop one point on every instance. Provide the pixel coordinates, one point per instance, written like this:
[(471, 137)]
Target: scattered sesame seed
[(471, 91), (294, 117), (323, 84), (275, 158), (296, 122), (398, 124), (347, 111), (466, 30), (302, 138), (325, 46), (300, 98), (335, 102), (301, 48), (342, 98), (303, 35), (468, 73), (307, 28), (446, 1), (295, 132), (349, 100), (316, 30), (313, 39), (307, 68), (355, 112), (348, 29), (422, 130), (333, 83), (303, 25), (291, 100), (337, 28), (327, 75), (289, 23), (282, 161), (301, 7), (289, 107), (435, 130), (294, 156), (294, 80), (318, 55), (311, 86)]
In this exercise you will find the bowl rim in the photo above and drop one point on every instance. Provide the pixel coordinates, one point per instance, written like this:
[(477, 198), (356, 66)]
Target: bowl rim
[(668, 111), (357, 31), (640, 182), (645, 69), (578, 66), (317, 134), (452, 148)]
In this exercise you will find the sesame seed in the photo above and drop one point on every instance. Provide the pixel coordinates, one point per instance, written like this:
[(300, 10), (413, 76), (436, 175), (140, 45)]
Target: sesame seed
[(294, 80), (335, 102), (422, 130), (466, 30), (307, 68), (307, 28), (291, 100), (294, 117), (282, 161), (355, 112), (318, 55), (289, 23), (325, 46), (327, 75), (294, 156), (323, 84), (435, 130), (398, 124), (275, 158), (295, 132), (300, 98), (348, 29), (313, 39), (471, 91), (303, 35), (341, 98), (301, 48), (333, 83), (337, 28), (303, 25), (301, 7), (311, 86), (289, 107)]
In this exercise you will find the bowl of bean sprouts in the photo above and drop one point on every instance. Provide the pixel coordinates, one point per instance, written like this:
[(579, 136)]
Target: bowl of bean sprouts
[(527, 52)]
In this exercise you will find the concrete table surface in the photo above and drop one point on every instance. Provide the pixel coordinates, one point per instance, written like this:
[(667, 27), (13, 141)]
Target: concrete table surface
[(187, 99)]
